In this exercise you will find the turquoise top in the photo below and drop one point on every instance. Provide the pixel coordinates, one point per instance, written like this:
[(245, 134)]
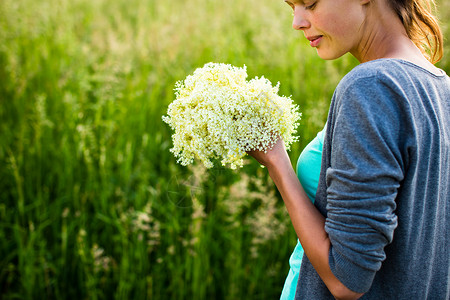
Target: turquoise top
[(308, 171)]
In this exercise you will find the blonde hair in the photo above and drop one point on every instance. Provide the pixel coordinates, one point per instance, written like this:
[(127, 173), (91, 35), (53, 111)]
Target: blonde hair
[(421, 26)]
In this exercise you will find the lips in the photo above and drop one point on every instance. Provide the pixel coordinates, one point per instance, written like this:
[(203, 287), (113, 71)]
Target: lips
[(314, 41)]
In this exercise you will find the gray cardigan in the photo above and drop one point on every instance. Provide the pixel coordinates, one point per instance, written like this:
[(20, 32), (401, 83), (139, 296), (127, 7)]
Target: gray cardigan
[(385, 184)]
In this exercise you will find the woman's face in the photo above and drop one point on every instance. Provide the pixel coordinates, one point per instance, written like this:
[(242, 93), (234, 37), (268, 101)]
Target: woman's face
[(333, 27)]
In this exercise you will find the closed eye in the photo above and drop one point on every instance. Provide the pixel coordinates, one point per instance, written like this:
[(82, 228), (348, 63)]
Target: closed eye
[(311, 6), (307, 7)]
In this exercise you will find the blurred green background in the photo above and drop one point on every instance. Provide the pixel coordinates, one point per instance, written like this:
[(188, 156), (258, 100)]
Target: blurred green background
[(92, 203)]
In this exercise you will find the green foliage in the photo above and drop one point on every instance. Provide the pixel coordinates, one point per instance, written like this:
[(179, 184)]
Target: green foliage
[(92, 203)]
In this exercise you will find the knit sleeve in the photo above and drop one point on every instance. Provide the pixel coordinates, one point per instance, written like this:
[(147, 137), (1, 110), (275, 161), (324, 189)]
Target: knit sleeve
[(363, 179)]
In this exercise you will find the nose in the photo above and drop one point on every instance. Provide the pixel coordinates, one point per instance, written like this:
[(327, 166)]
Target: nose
[(300, 22)]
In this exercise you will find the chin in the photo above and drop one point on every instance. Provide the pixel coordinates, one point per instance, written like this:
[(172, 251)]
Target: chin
[(327, 55)]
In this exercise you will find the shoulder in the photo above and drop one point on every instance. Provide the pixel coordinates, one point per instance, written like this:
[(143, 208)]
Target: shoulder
[(396, 74), (370, 104), (395, 83), (370, 74), (384, 85), (368, 88)]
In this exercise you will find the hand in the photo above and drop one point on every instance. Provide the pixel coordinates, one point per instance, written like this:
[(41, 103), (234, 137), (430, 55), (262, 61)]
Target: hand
[(274, 155)]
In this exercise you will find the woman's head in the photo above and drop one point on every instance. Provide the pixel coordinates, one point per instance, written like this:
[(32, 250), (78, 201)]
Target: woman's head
[(421, 26), (367, 28), (333, 27)]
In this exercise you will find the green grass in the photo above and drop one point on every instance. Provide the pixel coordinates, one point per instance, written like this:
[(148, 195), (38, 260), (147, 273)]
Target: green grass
[(92, 203)]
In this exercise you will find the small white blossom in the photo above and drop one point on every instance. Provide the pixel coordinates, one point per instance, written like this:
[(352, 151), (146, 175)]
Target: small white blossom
[(218, 114)]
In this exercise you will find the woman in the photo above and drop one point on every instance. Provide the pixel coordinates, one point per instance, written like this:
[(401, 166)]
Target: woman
[(386, 157)]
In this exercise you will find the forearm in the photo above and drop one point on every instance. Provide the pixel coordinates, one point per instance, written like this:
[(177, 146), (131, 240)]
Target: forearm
[(308, 223)]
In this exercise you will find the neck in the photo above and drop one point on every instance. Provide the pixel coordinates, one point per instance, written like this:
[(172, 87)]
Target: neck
[(384, 36)]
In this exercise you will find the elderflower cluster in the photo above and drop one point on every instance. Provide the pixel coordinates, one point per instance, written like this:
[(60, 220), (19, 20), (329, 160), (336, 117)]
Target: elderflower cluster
[(218, 114)]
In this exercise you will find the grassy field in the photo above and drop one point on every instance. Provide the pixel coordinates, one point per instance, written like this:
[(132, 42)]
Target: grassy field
[(92, 203)]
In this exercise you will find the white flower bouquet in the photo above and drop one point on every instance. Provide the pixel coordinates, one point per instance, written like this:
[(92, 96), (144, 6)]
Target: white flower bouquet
[(218, 114)]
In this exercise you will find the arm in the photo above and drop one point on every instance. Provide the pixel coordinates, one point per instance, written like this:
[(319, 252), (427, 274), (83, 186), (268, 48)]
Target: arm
[(364, 168), (307, 221)]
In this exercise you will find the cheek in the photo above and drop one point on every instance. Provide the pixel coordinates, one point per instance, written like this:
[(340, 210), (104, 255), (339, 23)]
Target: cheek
[(329, 23), (341, 31), (339, 25)]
